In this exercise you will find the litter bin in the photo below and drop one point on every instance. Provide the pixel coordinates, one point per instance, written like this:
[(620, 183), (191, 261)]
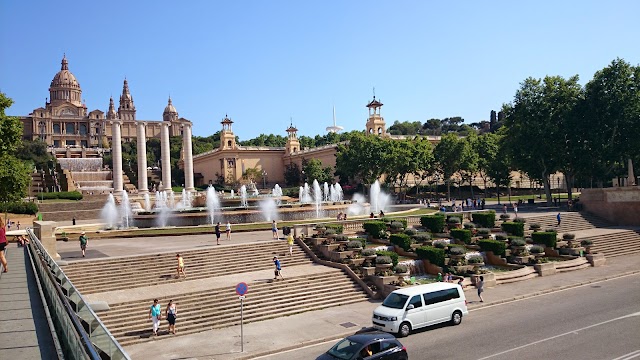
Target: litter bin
[(286, 230), (530, 201)]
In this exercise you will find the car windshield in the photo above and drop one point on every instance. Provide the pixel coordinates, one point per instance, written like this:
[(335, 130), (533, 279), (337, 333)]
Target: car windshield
[(345, 349), (395, 301)]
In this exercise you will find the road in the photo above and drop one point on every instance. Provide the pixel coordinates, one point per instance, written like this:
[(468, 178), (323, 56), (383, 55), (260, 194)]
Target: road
[(597, 321)]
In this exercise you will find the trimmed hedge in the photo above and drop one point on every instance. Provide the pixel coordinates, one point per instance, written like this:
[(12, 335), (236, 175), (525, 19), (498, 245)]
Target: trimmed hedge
[(434, 255), (392, 254), (339, 228), (402, 240), (422, 236), (375, 227), (69, 195), (19, 208), (497, 247), (485, 219), (458, 215), (392, 220), (548, 239), (435, 223), (513, 228), (463, 235)]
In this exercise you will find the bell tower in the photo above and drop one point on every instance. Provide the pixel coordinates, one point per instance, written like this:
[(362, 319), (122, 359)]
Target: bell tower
[(375, 122), (126, 110), (293, 144), (227, 138)]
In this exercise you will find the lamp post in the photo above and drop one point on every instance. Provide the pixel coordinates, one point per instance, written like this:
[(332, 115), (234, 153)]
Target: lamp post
[(558, 179), (264, 179)]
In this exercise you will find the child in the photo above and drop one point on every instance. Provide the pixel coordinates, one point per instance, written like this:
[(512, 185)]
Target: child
[(278, 270), (180, 266)]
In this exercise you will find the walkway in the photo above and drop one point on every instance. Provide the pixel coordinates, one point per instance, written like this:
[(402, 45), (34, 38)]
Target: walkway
[(24, 331)]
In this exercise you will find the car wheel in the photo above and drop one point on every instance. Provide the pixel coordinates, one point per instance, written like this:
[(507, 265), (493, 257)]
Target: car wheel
[(404, 330), (456, 318)]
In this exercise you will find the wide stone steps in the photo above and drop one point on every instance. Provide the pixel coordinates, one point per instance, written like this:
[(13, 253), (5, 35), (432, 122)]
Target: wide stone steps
[(616, 244), (149, 270), (571, 222), (218, 308)]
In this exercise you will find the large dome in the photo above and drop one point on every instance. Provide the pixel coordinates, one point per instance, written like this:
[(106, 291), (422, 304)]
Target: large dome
[(170, 108), (64, 78)]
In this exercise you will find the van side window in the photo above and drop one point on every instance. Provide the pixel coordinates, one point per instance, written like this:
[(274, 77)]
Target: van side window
[(416, 301), (440, 296)]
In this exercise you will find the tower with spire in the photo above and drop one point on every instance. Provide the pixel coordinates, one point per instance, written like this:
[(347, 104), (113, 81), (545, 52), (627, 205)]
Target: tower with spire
[(293, 144), (126, 110), (334, 128), (111, 113), (170, 113), (227, 138), (375, 122)]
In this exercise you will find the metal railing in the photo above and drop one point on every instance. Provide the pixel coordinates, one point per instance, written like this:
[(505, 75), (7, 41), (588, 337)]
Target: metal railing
[(81, 333)]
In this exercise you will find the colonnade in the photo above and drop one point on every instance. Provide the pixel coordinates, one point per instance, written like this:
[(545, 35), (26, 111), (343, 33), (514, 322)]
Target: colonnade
[(165, 146)]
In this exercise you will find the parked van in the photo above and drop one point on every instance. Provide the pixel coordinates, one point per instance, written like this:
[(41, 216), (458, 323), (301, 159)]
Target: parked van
[(419, 306)]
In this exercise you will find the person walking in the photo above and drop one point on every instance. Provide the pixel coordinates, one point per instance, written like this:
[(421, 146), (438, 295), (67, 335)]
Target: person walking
[(18, 225), (3, 245), (480, 287), (274, 229), (515, 210), (504, 208), (558, 218), (155, 315), (218, 232), (228, 229), (180, 266), (83, 242), (278, 269), (290, 242), (171, 315)]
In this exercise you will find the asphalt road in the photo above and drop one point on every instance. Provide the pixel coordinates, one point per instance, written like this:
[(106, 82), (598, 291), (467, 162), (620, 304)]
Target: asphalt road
[(598, 321)]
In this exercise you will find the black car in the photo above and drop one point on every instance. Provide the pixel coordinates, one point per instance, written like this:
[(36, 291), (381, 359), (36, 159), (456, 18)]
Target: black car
[(369, 346)]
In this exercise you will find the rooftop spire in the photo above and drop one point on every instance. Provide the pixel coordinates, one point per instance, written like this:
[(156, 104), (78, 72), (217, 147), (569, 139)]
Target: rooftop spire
[(65, 63)]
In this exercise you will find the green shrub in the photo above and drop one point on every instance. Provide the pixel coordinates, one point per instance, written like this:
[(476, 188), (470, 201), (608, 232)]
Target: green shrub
[(374, 228), (485, 219), (440, 244), (422, 237), (402, 240), (457, 250), (341, 237), (396, 226), (435, 223), (505, 217), (495, 246), (458, 216), (536, 249), (338, 228), (383, 260), (329, 233), (69, 195), (469, 226), (401, 269), (19, 208), (354, 244), (391, 254), (535, 227), (586, 242), (484, 231), (368, 252), (513, 228), (520, 220), (568, 236), (463, 235), (501, 237), (410, 232), (547, 239), (476, 259), (402, 221), (434, 255), (518, 242)]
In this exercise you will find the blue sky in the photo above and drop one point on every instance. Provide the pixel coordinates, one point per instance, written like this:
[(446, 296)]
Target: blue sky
[(263, 62)]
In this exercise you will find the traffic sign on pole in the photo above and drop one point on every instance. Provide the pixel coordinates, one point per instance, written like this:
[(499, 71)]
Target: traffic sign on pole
[(242, 288)]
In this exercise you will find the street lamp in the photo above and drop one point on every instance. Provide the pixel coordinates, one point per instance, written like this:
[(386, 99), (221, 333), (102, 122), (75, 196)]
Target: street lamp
[(264, 179), (558, 178)]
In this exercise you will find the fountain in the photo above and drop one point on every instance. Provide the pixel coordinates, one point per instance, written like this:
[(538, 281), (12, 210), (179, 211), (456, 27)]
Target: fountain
[(161, 208), (317, 196), (233, 194), (213, 203), (243, 196), (269, 209), (185, 202), (172, 198), (125, 209), (109, 213), (305, 194), (325, 193), (378, 199), (147, 202), (277, 194), (336, 194)]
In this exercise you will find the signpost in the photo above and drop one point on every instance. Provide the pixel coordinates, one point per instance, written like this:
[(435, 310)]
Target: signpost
[(241, 290)]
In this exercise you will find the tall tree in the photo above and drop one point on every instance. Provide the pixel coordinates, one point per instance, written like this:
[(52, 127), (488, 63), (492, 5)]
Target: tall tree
[(408, 158), (313, 170), (14, 173), (488, 147), (363, 159), (469, 159), (448, 159)]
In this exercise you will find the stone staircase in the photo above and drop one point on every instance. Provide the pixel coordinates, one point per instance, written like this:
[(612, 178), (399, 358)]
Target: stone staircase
[(572, 221), (155, 269), (619, 243), (65, 211), (219, 308)]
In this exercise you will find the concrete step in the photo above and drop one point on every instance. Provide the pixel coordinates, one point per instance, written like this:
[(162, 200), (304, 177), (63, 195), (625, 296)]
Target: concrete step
[(616, 244)]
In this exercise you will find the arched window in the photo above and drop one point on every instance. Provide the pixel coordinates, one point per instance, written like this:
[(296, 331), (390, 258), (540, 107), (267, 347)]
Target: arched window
[(56, 129), (83, 129), (229, 143), (379, 131), (70, 128)]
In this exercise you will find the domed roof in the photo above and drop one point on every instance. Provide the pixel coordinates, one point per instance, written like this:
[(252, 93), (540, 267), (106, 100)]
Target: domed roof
[(64, 77), (170, 108)]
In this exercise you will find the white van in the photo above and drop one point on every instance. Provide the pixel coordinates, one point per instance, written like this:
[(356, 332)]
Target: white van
[(418, 306)]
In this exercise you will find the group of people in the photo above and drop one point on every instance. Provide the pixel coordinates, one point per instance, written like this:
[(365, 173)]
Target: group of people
[(341, 216), (171, 314), (11, 223), (468, 204), (227, 230), (448, 277), (380, 214)]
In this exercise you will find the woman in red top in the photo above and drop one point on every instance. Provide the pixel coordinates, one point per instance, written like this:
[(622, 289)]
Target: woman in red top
[(3, 244)]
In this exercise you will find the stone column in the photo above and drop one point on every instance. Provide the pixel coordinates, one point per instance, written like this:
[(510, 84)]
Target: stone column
[(44, 231), (143, 186), (188, 157), (116, 154), (165, 151)]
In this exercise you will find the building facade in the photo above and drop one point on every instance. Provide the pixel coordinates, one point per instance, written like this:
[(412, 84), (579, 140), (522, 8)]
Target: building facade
[(65, 123)]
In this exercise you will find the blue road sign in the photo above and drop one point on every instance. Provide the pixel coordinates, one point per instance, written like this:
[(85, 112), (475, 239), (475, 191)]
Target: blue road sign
[(242, 288)]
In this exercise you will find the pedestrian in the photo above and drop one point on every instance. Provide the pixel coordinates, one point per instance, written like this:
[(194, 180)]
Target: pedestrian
[(515, 210), (339, 217), (480, 287), (278, 270), (155, 315), (171, 315), (504, 208), (558, 218), (3, 245), (73, 221), (218, 232), (344, 216), (460, 282), (228, 229), (381, 214), (483, 203), (274, 229), (371, 216), (18, 225), (439, 278), (83, 242), (180, 266), (290, 242)]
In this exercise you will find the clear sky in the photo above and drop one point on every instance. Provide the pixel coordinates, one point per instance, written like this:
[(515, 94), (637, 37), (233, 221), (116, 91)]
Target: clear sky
[(263, 62)]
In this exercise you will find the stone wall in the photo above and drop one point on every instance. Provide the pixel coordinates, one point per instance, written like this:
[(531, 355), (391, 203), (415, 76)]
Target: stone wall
[(618, 205)]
